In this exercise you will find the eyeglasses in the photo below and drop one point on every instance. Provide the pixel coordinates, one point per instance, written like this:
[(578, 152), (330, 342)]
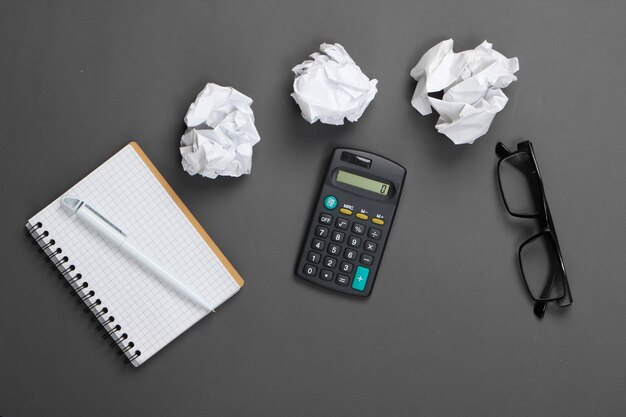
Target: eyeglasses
[(540, 259)]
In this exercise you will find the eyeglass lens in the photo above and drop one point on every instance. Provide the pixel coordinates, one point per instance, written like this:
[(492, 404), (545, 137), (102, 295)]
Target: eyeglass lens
[(541, 267), (520, 185)]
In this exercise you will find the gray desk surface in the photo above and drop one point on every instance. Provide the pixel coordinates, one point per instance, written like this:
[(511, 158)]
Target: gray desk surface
[(448, 329)]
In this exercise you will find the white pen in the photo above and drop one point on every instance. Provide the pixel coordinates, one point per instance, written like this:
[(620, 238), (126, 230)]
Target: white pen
[(115, 235)]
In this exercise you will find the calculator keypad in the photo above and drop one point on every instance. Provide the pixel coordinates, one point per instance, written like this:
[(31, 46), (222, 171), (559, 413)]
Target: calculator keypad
[(342, 251)]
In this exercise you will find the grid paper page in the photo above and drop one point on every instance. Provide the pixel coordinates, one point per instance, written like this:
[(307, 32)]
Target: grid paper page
[(125, 191)]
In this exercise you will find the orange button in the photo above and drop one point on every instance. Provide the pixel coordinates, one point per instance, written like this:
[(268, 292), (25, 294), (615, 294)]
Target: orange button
[(376, 220), (345, 211), (362, 216)]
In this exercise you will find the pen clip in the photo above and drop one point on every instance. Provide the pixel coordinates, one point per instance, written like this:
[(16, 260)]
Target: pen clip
[(104, 219)]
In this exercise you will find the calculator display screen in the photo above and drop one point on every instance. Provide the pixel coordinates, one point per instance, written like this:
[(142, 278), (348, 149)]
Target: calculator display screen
[(362, 182)]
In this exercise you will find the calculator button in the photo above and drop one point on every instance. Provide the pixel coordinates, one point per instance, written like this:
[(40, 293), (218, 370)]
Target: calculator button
[(354, 241), (334, 249), (326, 218), (360, 278), (374, 233), (321, 231), (370, 246), (330, 262), (337, 236), (346, 267), (330, 202), (314, 257), (362, 216), (317, 244), (345, 211), (366, 259), (326, 275), (358, 228), (309, 270), (349, 254), (342, 279), (376, 220), (342, 223)]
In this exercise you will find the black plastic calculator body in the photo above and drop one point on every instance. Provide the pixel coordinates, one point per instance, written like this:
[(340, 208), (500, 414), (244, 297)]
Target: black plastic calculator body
[(351, 221)]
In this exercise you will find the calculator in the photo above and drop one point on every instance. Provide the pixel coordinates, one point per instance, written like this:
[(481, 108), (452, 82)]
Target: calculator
[(351, 221)]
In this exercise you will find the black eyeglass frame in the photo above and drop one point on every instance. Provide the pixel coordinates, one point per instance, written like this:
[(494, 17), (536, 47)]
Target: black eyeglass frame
[(546, 225)]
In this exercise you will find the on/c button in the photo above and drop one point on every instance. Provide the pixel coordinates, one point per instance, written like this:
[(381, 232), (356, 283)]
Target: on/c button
[(360, 278), (330, 202)]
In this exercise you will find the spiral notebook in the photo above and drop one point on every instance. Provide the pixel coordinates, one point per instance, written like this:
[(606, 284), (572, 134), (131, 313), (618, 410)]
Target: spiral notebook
[(137, 310)]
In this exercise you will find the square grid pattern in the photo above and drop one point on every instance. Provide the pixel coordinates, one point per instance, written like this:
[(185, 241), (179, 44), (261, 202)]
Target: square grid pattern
[(125, 191)]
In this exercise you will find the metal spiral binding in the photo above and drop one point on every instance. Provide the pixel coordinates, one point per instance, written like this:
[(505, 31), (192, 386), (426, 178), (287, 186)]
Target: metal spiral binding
[(132, 358), (80, 292), (50, 243), (73, 280), (127, 348), (84, 298), (102, 324), (60, 262), (92, 305), (113, 330), (124, 336), (100, 314), (68, 269)]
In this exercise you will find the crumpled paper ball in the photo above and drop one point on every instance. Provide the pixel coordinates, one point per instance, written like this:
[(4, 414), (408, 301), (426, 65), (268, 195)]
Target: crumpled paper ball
[(220, 133), (330, 87), (472, 83)]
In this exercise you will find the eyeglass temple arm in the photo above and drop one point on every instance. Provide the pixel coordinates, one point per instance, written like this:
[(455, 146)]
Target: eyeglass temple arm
[(502, 151)]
